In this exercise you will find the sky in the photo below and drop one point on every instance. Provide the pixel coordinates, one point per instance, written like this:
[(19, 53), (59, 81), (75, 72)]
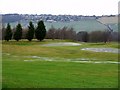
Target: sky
[(56, 7)]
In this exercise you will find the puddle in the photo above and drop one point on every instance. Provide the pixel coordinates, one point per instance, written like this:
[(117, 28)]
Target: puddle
[(102, 62), (62, 44), (110, 50), (77, 60), (58, 58), (6, 54), (96, 62)]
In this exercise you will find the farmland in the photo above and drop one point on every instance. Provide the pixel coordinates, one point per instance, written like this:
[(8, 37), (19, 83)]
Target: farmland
[(33, 65), (83, 25), (111, 21)]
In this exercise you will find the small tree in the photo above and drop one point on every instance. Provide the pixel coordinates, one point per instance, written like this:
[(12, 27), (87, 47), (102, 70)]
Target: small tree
[(30, 33), (8, 33), (71, 34), (18, 32), (40, 31), (51, 33), (83, 36)]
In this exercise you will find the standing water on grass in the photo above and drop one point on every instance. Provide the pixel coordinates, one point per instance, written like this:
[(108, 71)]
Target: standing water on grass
[(62, 44), (110, 50)]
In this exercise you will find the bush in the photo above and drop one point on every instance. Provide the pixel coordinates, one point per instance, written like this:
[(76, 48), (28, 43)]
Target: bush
[(83, 36)]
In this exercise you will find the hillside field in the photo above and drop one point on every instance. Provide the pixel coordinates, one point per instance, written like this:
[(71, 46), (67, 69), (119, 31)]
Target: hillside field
[(111, 21), (83, 25)]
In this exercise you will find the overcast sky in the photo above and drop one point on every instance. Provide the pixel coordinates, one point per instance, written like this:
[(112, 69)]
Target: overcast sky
[(55, 7)]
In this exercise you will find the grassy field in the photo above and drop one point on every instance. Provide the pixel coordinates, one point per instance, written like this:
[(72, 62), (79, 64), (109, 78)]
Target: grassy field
[(108, 20), (26, 65), (0, 64)]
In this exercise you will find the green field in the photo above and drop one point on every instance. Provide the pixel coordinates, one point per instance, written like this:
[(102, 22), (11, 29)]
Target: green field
[(82, 25), (0, 64), (31, 65)]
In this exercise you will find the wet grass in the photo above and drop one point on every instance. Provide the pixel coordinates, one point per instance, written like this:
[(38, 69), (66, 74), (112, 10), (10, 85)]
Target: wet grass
[(58, 74), (0, 64), (46, 74)]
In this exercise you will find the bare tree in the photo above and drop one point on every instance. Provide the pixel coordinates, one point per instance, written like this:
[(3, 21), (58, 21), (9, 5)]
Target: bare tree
[(99, 36), (63, 33), (51, 33)]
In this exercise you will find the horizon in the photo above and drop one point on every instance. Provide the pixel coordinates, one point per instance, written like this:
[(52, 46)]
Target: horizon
[(60, 7), (56, 14)]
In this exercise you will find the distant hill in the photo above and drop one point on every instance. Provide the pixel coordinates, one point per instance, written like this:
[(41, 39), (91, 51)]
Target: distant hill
[(79, 23), (8, 18), (82, 25)]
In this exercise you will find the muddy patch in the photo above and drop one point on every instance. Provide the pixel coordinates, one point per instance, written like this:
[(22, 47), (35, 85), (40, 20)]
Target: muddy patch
[(62, 44), (109, 50)]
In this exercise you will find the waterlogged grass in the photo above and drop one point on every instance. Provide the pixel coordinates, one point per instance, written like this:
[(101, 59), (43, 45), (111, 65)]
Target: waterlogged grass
[(52, 74), (35, 48)]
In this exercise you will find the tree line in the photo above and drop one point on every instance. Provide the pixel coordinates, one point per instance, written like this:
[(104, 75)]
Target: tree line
[(40, 33), (83, 36)]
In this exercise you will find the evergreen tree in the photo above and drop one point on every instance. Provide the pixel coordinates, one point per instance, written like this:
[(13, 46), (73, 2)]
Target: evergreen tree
[(18, 32), (40, 31), (8, 33), (30, 33)]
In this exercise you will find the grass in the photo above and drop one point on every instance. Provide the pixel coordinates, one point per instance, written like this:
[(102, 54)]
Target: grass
[(45, 74), (0, 64), (58, 74)]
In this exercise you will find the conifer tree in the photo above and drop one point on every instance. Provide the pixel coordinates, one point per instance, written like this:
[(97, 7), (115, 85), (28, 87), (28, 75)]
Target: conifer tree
[(18, 32), (8, 33), (30, 33), (40, 31)]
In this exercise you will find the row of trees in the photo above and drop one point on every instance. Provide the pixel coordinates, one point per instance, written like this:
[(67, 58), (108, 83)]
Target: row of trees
[(61, 33), (83, 36), (98, 36), (39, 32)]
